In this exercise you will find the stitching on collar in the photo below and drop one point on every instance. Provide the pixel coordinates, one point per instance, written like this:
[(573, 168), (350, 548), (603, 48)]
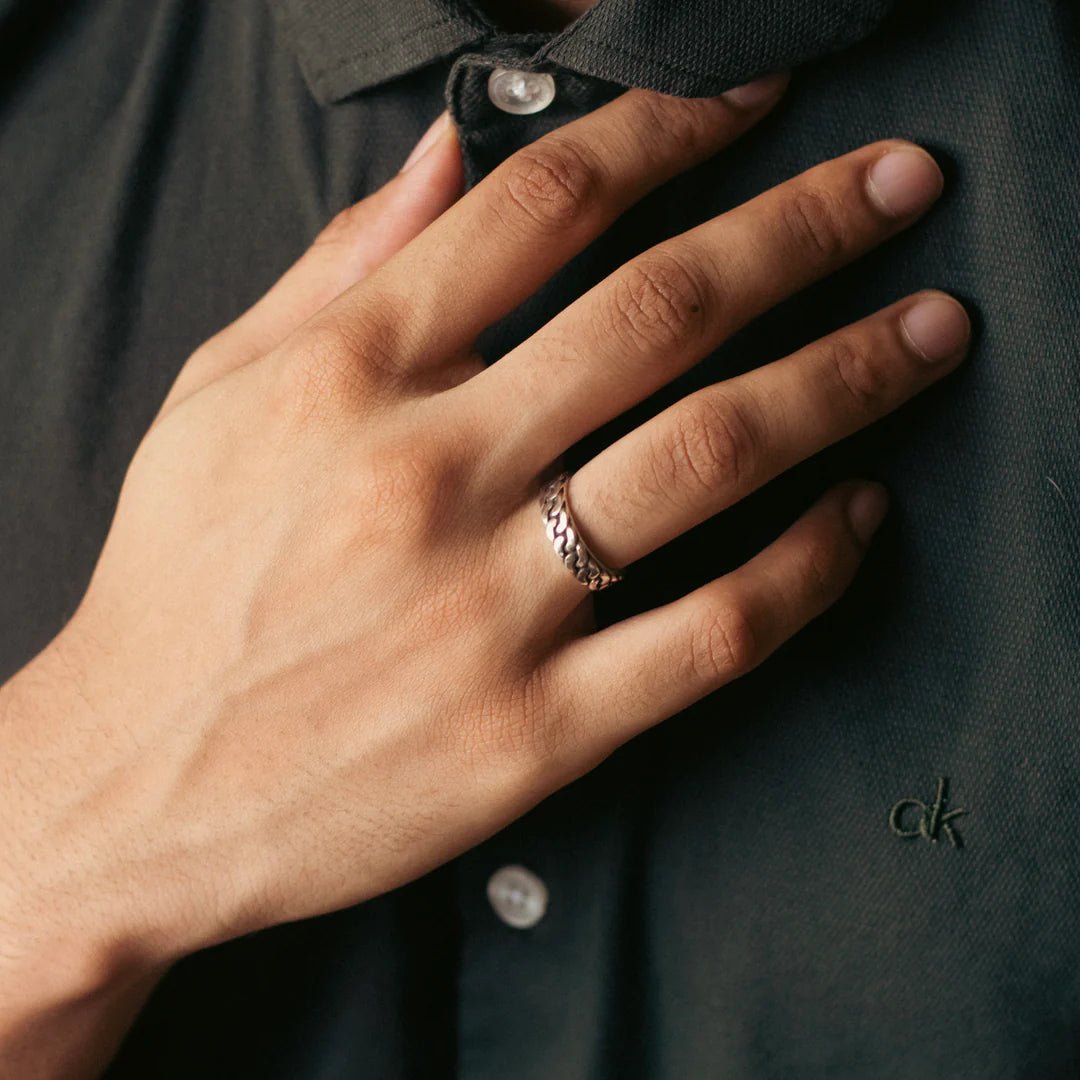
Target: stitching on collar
[(352, 58)]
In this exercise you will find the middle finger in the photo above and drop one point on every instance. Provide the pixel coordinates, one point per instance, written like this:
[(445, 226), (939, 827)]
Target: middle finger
[(671, 306)]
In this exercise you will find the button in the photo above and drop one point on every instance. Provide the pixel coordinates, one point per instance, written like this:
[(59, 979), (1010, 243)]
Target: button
[(518, 896), (521, 92)]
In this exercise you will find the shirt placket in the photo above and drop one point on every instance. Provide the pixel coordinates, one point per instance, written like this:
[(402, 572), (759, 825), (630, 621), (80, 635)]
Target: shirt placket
[(539, 902)]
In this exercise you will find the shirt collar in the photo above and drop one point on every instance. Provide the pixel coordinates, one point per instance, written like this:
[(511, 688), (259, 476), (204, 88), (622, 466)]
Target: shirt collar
[(688, 47)]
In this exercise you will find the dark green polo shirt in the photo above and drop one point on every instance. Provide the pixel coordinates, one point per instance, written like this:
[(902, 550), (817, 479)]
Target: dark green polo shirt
[(744, 891)]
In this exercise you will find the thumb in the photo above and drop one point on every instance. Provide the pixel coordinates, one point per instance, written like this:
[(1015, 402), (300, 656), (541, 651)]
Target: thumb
[(359, 239)]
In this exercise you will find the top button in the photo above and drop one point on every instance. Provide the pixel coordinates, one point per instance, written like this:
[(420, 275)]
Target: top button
[(517, 896), (521, 92)]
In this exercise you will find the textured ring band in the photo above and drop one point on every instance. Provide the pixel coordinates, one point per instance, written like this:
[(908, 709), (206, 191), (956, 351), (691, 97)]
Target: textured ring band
[(567, 541)]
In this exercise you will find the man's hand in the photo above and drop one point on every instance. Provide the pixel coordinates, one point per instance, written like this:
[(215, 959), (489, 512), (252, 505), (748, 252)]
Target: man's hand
[(64, 1002), (327, 646)]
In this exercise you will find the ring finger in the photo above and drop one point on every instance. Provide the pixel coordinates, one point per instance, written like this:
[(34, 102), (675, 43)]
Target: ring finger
[(717, 445)]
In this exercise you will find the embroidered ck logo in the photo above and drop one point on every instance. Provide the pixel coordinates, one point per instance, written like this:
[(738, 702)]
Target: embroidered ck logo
[(933, 818)]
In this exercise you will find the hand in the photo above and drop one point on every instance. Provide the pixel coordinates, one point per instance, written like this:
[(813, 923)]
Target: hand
[(65, 1002), (327, 645)]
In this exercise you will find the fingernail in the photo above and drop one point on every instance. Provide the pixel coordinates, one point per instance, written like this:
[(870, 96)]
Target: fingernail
[(866, 510), (937, 327), (429, 139), (904, 181), (760, 92)]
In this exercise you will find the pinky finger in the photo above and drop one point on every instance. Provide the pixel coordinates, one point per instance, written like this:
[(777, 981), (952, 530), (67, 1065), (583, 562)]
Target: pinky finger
[(638, 672)]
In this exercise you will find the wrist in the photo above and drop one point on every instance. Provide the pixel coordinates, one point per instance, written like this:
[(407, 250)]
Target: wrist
[(65, 1005), (70, 937), (45, 974), (70, 986)]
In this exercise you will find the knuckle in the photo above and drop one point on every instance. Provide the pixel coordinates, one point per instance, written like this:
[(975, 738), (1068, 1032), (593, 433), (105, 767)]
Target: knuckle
[(857, 371), (333, 365), (817, 223), (659, 300), (712, 446), (724, 647), (410, 485), (553, 183), (369, 330), (318, 377)]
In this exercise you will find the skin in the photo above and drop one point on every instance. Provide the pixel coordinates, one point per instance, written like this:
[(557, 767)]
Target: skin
[(327, 646)]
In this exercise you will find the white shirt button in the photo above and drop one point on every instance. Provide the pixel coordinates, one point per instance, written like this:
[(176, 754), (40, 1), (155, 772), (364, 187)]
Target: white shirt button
[(518, 896), (521, 92)]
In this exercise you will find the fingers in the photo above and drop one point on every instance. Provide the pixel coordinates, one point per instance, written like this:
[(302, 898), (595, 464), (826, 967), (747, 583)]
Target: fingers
[(670, 307), (624, 679), (718, 445), (533, 213), (352, 245)]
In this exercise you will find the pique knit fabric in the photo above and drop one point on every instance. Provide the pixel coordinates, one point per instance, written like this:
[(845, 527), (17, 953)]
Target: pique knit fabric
[(761, 887)]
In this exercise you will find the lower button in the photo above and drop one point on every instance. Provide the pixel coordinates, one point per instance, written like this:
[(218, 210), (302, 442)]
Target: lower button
[(517, 896)]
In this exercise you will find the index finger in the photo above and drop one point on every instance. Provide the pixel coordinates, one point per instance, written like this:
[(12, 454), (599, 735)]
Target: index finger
[(543, 205)]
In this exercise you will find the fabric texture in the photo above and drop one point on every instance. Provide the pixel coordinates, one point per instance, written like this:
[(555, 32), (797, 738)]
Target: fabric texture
[(727, 898), (694, 49)]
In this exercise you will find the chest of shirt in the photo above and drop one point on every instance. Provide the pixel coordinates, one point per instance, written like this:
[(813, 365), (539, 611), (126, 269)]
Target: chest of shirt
[(725, 897)]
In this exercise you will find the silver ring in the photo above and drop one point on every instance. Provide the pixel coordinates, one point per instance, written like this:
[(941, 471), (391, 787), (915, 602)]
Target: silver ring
[(567, 541)]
